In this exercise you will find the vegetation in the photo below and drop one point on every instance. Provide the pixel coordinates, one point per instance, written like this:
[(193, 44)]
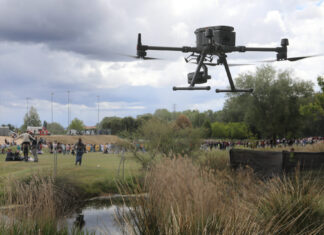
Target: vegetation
[(31, 119), (281, 106), (76, 124), (97, 174), (184, 198), (55, 128)]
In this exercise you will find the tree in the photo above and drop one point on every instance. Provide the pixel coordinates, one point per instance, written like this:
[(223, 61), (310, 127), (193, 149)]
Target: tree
[(272, 110), (114, 124), (163, 114), (129, 124), (163, 137), (31, 119), (182, 122), (208, 128), (55, 128), (313, 112), (219, 130), (76, 124)]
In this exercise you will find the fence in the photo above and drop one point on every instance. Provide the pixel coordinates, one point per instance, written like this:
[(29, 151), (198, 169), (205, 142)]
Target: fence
[(269, 163)]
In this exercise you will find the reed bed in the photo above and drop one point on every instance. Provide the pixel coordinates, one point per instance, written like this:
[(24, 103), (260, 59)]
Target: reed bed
[(33, 205), (187, 198)]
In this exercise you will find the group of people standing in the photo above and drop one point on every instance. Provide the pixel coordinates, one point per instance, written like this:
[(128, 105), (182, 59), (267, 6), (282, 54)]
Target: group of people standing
[(78, 148)]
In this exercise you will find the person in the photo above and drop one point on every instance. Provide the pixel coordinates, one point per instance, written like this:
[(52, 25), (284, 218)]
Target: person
[(80, 149), (34, 149), (25, 144)]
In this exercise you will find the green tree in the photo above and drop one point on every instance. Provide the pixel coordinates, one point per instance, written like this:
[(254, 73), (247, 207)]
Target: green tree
[(76, 124), (55, 128), (31, 119), (168, 139), (272, 110), (163, 114), (313, 112), (219, 130), (129, 124), (207, 128), (114, 124)]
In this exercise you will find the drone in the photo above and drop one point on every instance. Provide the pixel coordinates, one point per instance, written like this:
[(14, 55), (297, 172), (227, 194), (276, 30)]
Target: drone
[(214, 42)]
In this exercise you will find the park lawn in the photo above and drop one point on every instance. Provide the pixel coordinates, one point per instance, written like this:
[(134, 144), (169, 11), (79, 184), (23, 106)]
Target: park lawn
[(97, 174)]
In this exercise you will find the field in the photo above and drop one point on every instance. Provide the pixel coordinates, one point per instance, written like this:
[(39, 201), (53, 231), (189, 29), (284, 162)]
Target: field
[(96, 175)]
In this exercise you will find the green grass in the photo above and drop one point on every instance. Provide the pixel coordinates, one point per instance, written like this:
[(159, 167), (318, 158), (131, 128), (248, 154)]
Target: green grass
[(96, 175)]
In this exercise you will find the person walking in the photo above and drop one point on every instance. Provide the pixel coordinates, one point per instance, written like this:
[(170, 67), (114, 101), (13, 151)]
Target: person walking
[(34, 149), (80, 149)]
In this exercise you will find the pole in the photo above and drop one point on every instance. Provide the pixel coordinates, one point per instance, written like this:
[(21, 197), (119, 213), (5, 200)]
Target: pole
[(98, 113), (52, 105), (55, 159), (27, 98), (68, 124)]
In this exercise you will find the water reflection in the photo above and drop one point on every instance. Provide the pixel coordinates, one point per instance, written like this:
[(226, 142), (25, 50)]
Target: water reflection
[(96, 220)]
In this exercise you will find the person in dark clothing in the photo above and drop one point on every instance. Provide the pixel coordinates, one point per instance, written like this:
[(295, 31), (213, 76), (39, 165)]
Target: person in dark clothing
[(80, 149), (34, 149), (25, 144)]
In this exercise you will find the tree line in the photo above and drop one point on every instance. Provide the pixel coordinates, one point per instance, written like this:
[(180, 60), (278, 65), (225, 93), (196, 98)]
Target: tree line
[(281, 106)]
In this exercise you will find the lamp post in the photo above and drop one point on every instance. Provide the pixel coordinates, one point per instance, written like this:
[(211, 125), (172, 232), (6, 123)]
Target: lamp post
[(98, 113), (68, 108), (52, 104), (27, 98)]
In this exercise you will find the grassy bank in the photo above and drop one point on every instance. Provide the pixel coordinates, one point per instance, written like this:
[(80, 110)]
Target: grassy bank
[(32, 199), (97, 175)]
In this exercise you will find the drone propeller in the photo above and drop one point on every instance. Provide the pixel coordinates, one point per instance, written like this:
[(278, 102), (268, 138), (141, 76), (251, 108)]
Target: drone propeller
[(143, 58), (230, 65), (292, 59)]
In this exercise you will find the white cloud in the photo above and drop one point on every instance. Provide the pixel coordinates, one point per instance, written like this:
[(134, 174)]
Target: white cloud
[(47, 47)]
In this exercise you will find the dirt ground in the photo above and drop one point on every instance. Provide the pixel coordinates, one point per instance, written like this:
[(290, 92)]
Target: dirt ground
[(66, 139)]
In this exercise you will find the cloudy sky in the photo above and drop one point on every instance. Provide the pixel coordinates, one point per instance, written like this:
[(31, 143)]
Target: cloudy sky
[(77, 45)]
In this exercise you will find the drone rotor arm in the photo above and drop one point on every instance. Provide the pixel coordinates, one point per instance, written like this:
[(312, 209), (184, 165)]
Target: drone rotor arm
[(181, 49)]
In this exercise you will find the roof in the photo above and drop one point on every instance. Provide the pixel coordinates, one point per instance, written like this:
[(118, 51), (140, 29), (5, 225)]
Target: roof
[(90, 127)]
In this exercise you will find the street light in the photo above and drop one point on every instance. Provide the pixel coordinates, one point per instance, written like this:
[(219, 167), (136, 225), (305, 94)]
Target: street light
[(68, 108), (27, 98), (52, 104), (98, 113)]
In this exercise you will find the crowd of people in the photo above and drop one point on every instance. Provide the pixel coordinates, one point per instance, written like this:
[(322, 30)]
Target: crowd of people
[(267, 143), (19, 152), (30, 144)]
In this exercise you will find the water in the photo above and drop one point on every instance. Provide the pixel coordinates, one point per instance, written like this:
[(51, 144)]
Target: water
[(97, 217), (96, 220)]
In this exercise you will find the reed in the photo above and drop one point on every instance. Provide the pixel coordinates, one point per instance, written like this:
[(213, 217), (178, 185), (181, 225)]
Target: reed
[(34, 204), (183, 198)]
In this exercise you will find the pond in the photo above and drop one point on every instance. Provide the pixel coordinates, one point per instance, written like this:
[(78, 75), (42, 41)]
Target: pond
[(97, 216)]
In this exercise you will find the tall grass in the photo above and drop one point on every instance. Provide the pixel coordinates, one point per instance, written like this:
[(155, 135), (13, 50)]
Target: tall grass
[(184, 198), (317, 147), (33, 205)]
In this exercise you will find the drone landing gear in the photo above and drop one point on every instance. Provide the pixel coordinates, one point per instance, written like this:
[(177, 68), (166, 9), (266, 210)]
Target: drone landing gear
[(236, 90), (222, 60), (191, 88)]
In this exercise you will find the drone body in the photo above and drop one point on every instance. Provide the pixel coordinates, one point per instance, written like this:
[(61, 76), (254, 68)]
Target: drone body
[(211, 42)]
